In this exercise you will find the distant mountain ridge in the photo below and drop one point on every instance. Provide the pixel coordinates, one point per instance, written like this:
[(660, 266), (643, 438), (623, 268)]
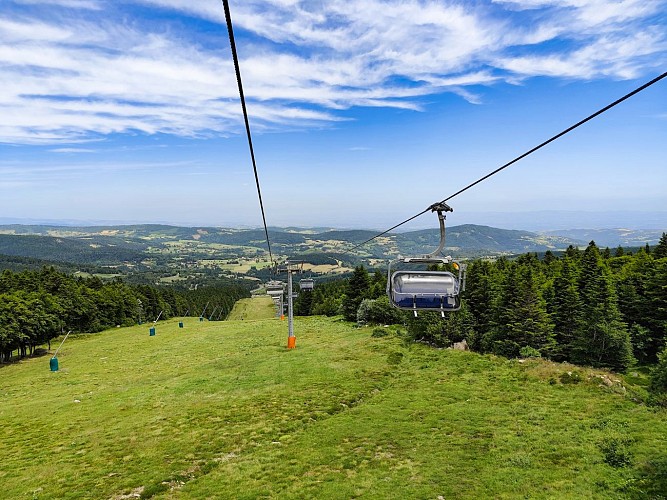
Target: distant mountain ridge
[(108, 244), (612, 237), (464, 237)]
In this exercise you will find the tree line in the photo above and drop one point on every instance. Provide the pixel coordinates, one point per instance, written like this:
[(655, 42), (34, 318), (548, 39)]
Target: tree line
[(37, 306), (593, 307)]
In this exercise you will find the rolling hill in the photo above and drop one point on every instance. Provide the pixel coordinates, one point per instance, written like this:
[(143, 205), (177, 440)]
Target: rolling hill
[(79, 250)]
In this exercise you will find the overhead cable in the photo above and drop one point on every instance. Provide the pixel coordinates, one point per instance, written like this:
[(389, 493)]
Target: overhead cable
[(548, 141), (230, 29)]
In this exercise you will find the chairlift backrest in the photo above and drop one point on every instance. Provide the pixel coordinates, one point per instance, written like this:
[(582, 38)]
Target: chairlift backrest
[(424, 282)]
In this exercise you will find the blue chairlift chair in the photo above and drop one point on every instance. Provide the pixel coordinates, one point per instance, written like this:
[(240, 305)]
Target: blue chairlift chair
[(423, 290)]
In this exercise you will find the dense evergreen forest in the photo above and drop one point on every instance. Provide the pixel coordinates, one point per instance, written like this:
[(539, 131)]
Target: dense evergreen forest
[(605, 309), (37, 306)]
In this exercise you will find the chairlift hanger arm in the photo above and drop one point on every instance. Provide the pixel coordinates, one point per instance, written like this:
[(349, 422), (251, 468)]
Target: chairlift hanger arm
[(440, 207)]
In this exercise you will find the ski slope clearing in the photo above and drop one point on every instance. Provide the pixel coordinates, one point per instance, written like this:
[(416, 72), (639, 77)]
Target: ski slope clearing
[(224, 410)]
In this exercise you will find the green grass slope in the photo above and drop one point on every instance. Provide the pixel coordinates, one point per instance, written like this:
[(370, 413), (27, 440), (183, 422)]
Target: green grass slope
[(223, 410), (260, 307)]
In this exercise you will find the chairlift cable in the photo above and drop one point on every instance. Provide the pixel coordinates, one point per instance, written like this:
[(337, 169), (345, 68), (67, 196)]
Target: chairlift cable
[(548, 141), (237, 69)]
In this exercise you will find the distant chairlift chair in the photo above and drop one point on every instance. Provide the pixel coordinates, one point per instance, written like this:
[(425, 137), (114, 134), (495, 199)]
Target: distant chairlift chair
[(423, 290), (275, 288), (306, 284)]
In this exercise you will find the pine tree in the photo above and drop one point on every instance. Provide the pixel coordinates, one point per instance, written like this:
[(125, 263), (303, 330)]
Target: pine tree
[(660, 251), (481, 290), (602, 339), (357, 290), (566, 313), (549, 257), (521, 318), (656, 293), (635, 305), (303, 305), (378, 285), (573, 253), (658, 384)]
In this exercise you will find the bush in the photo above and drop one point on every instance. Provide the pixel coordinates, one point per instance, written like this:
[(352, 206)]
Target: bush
[(330, 306), (570, 378), (383, 313), (616, 451), (430, 327), (363, 311), (379, 332), (378, 312), (529, 352)]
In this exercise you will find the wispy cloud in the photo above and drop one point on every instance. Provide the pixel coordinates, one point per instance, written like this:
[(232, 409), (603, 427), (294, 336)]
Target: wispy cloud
[(70, 74), (26, 174), (72, 150)]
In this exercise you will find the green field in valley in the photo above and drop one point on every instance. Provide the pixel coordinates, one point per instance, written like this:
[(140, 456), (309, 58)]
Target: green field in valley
[(224, 410)]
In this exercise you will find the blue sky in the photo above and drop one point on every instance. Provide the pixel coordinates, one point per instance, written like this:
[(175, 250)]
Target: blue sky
[(363, 112)]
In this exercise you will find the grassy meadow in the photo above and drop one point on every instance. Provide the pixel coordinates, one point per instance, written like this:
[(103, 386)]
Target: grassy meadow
[(259, 307), (224, 410)]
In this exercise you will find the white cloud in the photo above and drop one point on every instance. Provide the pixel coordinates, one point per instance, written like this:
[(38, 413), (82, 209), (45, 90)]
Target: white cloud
[(73, 77), (72, 150), (13, 31), (622, 57)]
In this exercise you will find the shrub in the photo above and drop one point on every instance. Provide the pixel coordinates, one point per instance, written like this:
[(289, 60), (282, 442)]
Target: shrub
[(616, 451), (330, 306), (383, 313), (379, 332), (378, 312), (570, 378), (529, 352), (363, 312)]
